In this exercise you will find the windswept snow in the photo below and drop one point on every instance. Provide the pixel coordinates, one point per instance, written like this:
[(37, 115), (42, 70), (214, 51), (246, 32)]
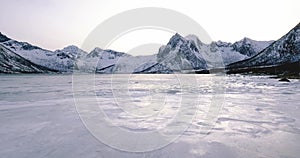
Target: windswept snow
[(260, 116)]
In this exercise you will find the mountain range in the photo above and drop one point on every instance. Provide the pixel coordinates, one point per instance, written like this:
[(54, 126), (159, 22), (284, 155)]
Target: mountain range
[(180, 54)]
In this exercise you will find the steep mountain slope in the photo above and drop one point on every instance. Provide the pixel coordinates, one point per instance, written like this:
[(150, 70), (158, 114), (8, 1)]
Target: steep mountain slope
[(60, 60), (11, 62), (286, 50), (181, 54)]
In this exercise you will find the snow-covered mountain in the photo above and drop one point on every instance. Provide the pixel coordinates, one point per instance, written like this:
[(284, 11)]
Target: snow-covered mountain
[(250, 47), (60, 60), (286, 50), (190, 53), (97, 59), (11, 62), (180, 54)]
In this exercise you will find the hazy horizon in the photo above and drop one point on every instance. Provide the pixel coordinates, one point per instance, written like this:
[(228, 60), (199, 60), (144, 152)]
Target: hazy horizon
[(53, 24)]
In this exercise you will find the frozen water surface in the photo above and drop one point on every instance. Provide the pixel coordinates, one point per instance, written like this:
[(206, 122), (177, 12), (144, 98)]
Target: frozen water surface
[(255, 116)]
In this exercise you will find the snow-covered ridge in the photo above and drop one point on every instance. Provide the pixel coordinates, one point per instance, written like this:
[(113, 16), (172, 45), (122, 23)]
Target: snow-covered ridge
[(3, 38), (11, 62)]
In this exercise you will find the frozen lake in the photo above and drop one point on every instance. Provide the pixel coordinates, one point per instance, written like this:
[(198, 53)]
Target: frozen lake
[(207, 116)]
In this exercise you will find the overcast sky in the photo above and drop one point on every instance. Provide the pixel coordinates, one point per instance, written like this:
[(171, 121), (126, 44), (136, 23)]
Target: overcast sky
[(54, 24)]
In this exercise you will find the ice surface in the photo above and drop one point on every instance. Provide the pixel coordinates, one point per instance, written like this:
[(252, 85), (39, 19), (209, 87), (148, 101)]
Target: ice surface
[(260, 116)]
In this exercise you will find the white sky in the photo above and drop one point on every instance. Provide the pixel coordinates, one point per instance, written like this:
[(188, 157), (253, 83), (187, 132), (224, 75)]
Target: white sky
[(54, 24)]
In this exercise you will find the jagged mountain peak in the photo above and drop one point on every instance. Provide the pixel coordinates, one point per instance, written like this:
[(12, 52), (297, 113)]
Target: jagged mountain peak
[(106, 53), (181, 53), (176, 40), (71, 52), (71, 48), (97, 49), (247, 39), (221, 44), (249, 47), (176, 35), (95, 52), (194, 40)]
